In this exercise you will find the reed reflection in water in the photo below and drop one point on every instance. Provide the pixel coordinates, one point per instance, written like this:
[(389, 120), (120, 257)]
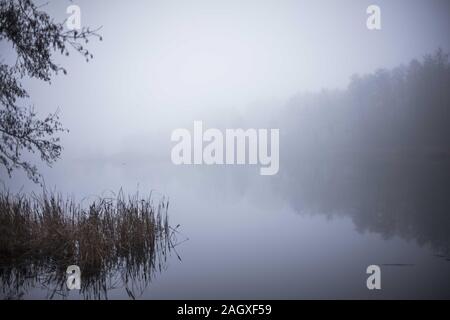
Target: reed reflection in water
[(118, 242)]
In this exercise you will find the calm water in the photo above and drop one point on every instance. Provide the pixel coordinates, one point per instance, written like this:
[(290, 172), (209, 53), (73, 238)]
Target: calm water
[(305, 235)]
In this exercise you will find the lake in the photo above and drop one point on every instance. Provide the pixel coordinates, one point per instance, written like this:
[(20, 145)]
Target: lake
[(301, 234)]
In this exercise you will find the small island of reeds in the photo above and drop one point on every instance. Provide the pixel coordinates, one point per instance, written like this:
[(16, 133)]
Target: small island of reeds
[(116, 241)]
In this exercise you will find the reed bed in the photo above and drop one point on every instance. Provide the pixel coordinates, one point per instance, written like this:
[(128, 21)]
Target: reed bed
[(109, 233)]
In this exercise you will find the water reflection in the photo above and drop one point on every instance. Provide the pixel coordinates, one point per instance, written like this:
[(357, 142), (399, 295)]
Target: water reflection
[(119, 244), (376, 151), (18, 281), (409, 200)]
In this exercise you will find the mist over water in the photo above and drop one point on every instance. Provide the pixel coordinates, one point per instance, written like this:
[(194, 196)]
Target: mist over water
[(364, 160)]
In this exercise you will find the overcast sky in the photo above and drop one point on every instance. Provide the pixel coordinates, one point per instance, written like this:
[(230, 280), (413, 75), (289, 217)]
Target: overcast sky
[(165, 63)]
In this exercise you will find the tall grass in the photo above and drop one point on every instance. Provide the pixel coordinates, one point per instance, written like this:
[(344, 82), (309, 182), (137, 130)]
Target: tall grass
[(109, 234)]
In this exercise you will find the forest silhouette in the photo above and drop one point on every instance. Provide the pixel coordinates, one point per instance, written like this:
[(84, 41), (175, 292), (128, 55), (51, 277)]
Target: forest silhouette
[(378, 151)]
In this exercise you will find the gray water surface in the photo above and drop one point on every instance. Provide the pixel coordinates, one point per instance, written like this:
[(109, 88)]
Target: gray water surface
[(246, 236)]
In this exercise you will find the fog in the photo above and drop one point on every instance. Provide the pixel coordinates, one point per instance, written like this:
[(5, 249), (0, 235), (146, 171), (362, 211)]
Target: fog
[(165, 63), (355, 185)]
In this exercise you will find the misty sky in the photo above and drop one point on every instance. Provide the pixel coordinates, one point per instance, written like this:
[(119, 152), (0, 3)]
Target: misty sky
[(163, 64)]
